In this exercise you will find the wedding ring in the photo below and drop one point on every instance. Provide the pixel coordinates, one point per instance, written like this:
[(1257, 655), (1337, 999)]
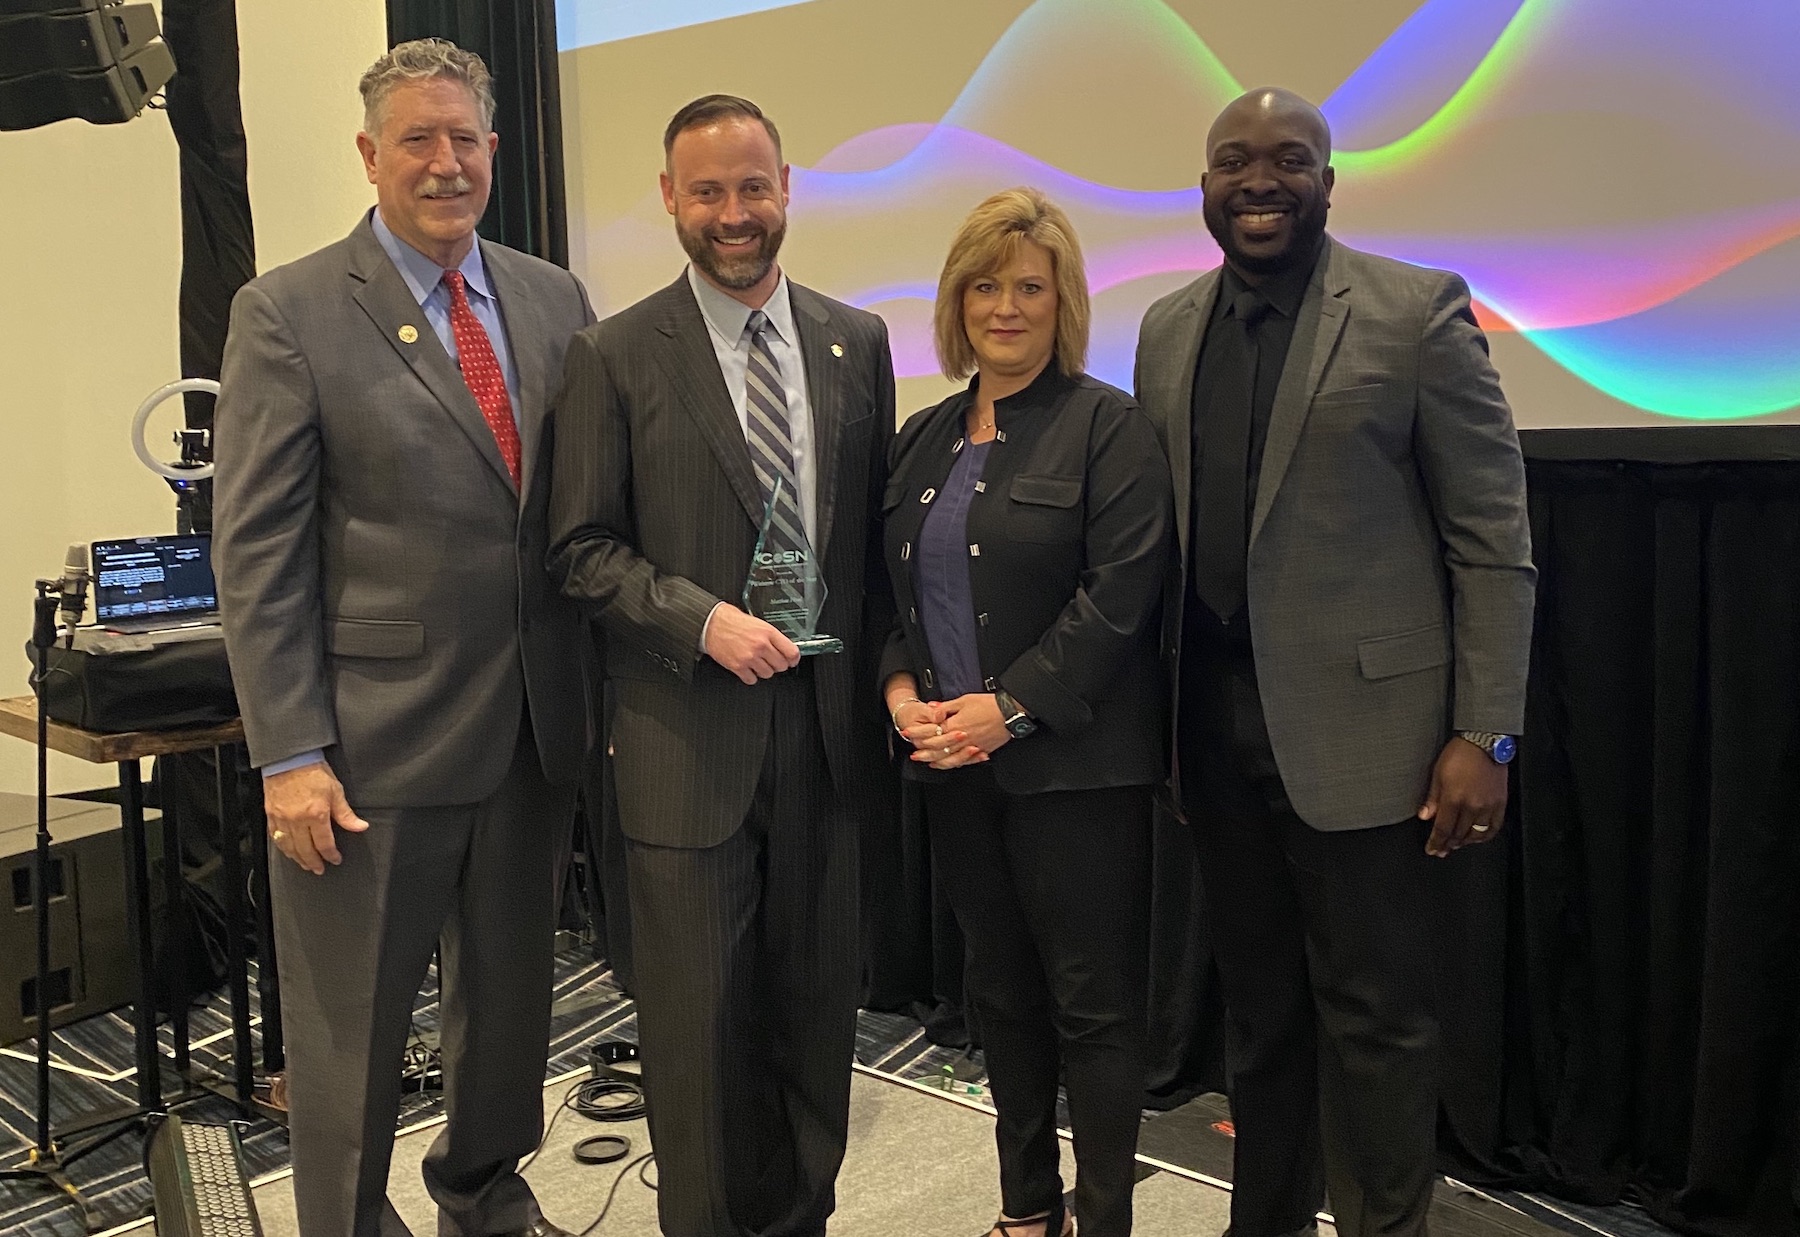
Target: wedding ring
[(1480, 828), (278, 835), (940, 732)]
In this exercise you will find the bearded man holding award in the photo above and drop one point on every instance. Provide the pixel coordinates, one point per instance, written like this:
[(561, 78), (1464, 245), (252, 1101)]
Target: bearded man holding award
[(719, 465)]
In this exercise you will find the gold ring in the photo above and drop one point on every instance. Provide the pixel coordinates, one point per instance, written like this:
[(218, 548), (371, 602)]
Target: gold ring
[(940, 732), (277, 835)]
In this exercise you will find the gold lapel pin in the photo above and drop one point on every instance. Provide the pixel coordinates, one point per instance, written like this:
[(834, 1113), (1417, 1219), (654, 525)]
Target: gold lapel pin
[(837, 350), (409, 334)]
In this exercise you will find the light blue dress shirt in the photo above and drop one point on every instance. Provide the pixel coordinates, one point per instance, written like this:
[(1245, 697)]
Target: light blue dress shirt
[(425, 279)]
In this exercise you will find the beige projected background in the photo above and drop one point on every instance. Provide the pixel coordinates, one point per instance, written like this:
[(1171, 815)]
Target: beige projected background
[(1614, 177)]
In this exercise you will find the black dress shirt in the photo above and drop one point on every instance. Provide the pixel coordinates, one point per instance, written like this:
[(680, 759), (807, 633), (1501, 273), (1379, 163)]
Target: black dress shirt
[(1272, 332)]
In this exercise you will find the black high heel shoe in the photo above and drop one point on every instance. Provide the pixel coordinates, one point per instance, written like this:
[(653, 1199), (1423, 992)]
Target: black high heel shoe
[(1055, 1222)]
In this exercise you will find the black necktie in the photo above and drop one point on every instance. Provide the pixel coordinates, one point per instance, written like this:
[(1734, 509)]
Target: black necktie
[(1221, 534)]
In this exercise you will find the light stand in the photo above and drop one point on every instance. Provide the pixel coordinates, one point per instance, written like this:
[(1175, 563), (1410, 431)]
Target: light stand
[(47, 1161)]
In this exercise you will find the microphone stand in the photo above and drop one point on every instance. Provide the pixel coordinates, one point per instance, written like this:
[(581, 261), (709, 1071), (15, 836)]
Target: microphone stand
[(46, 1161)]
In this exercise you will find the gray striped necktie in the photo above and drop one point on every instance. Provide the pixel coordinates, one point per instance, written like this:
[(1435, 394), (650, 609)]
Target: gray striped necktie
[(771, 437)]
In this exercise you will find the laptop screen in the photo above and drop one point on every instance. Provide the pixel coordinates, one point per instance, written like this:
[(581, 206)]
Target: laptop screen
[(154, 577)]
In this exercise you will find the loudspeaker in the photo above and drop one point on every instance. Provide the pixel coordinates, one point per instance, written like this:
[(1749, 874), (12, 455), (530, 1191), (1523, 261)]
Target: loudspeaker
[(92, 964), (80, 41), (99, 60)]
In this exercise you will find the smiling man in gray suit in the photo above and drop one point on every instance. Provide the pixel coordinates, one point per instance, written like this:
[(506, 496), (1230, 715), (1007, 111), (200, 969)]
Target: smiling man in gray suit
[(1347, 632), (739, 763), (409, 678)]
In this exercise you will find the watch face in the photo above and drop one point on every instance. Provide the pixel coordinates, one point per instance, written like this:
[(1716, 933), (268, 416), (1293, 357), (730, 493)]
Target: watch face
[(1019, 727), (1505, 749)]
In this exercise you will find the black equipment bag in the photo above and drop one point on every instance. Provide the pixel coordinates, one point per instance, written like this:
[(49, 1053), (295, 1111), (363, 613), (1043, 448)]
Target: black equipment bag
[(165, 687)]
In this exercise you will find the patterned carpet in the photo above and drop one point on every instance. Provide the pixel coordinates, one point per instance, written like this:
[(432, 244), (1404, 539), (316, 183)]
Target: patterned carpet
[(94, 1057), (112, 1179)]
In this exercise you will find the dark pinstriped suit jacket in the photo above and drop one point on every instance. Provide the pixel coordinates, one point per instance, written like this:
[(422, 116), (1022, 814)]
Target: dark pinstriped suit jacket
[(654, 510)]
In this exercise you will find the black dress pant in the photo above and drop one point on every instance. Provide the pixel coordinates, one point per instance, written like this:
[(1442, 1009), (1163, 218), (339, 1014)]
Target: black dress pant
[(747, 967), (1052, 893), (1324, 947)]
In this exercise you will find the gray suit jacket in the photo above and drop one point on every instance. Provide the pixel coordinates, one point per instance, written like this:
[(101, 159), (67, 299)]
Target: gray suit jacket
[(653, 515), (1390, 576), (381, 579)]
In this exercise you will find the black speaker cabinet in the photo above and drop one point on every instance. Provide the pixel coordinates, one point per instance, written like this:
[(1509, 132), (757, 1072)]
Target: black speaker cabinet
[(92, 964)]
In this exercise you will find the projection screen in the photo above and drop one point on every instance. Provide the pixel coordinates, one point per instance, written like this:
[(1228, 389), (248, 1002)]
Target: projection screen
[(1618, 180)]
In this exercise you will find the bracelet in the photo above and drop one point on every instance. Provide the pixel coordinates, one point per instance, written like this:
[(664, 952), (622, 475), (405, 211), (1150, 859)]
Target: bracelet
[(894, 713)]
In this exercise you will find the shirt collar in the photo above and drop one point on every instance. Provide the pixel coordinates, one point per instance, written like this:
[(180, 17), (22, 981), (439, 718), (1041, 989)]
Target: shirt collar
[(728, 316), (422, 275), (1284, 291)]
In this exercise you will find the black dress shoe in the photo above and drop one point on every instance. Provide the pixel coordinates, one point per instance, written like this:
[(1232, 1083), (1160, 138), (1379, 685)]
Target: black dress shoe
[(541, 1227)]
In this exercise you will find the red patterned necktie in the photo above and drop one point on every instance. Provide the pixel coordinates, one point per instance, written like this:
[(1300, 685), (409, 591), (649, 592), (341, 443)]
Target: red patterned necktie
[(481, 370)]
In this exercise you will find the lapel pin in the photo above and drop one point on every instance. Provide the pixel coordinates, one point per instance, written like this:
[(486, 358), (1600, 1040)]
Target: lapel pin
[(837, 350), (409, 334)]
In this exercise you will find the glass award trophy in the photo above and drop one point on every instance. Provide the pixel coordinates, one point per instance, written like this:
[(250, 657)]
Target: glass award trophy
[(784, 589)]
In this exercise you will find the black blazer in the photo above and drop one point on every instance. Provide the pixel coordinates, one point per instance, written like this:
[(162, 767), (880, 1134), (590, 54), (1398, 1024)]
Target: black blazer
[(1075, 523)]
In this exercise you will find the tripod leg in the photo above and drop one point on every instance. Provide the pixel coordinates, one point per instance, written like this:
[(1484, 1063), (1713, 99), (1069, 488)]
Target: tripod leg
[(230, 839), (137, 912), (176, 941)]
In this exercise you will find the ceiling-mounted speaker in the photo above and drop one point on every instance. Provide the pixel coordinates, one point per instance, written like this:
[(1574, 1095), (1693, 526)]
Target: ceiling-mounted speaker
[(96, 60)]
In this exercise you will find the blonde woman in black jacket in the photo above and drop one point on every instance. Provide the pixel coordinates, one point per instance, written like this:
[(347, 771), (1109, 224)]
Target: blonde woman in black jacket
[(1028, 531)]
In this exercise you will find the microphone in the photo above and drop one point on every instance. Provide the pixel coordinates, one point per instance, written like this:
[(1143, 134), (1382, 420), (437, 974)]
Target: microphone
[(74, 586)]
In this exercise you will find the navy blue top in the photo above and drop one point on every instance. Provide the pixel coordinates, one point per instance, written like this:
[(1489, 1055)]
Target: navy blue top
[(946, 603)]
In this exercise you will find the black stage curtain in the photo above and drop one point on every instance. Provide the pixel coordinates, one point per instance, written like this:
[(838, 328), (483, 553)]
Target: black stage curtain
[(517, 39), (218, 256), (1649, 1039), (1621, 969), (218, 246)]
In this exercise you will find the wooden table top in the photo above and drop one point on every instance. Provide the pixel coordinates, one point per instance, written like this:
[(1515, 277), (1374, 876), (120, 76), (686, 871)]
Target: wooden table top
[(18, 717)]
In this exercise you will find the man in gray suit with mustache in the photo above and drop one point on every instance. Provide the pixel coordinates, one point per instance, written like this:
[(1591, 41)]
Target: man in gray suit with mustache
[(409, 678), (1347, 630)]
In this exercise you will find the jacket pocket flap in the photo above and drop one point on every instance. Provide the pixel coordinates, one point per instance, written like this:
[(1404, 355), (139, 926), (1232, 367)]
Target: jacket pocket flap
[(354, 637), (1386, 656), (1046, 491), (895, 494)]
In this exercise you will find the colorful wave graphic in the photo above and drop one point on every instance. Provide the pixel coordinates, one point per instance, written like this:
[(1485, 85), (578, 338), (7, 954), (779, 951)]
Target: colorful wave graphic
[(1615, 178)]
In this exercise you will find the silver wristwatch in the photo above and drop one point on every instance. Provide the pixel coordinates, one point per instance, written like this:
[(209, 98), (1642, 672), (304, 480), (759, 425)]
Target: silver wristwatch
[(1501, 748)]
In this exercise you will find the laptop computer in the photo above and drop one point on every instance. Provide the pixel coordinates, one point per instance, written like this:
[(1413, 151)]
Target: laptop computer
[(154, 584)]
